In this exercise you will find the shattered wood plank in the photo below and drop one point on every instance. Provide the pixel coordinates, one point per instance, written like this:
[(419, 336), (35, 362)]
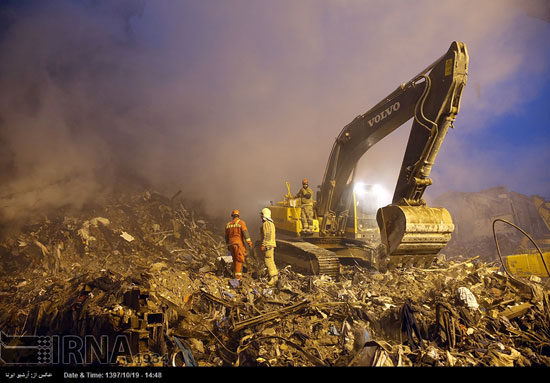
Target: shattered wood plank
[(270, 316), (516, 311)]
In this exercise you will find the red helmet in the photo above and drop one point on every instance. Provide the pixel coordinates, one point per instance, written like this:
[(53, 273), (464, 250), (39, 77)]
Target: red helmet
[(235, 213), (305, 181)]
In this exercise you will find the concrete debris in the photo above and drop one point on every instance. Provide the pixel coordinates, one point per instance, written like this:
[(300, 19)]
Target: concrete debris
[(127, 236), (170, 295)]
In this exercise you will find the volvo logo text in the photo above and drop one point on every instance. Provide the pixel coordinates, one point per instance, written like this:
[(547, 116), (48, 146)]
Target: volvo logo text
[(385, 113)]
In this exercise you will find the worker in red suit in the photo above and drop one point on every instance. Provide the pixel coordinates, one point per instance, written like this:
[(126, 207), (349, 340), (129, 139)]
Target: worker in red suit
[(236, 234)]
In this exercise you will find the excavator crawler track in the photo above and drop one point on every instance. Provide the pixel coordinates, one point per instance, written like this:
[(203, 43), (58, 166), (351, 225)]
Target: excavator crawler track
[(307, 258)]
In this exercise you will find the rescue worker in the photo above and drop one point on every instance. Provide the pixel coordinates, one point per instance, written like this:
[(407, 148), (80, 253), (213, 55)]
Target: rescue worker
[(306, 203), (267, 232), (236, 234)]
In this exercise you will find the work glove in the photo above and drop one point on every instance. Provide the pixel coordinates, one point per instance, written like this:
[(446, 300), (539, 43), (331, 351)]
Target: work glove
[(262, 248)]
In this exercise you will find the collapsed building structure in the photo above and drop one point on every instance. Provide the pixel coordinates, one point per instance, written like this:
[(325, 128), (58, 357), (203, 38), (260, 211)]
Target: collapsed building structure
[(144, 281), (474, 213)]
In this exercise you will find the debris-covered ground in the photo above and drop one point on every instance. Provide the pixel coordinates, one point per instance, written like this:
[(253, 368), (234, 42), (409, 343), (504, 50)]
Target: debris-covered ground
[(147, 268)]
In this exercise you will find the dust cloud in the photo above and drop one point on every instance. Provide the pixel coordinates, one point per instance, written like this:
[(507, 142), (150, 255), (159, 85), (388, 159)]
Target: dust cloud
[(227, 100)]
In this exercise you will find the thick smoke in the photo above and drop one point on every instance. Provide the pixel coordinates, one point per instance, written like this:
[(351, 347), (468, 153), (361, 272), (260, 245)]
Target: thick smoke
[(227, 100)]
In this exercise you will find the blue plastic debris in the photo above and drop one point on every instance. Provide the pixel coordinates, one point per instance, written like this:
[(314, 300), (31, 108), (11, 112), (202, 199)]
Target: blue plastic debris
[(186, 352)]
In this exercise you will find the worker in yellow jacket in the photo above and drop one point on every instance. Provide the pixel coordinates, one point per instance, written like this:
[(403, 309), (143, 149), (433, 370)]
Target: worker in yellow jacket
[(267, 232)]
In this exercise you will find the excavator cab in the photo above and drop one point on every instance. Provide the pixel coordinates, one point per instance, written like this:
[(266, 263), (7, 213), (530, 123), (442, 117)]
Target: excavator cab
[(365, 201)]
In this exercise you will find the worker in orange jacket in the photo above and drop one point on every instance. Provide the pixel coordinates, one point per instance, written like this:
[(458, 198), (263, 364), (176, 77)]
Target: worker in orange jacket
[(236, 234)]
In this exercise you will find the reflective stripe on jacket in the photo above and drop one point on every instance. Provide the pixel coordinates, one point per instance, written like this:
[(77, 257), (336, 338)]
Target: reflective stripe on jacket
[(236, 232), (268, 234)]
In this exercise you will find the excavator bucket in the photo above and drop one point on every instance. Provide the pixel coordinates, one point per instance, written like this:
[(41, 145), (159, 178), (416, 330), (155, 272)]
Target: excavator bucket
[(414, 234)]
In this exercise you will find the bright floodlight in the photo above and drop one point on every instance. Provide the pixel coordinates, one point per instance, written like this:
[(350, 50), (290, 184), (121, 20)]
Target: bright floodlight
[(360, 188), (375, 193)]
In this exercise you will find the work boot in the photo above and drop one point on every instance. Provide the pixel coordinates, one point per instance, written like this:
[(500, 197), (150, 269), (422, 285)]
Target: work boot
[(273, 280)]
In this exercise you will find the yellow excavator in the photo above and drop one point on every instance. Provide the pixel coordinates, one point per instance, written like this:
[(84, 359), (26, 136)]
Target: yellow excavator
[(408, 230)]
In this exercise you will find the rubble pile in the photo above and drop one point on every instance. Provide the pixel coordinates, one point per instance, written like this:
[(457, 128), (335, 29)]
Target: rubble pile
[(146, 267)]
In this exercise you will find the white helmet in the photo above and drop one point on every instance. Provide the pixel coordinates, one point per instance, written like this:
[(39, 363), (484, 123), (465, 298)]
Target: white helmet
[(266, 213)]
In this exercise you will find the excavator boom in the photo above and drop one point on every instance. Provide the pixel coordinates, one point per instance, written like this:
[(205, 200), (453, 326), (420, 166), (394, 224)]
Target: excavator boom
[(408, 228)]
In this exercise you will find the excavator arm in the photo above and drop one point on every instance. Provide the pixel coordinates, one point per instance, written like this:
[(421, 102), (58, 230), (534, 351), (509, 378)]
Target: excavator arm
[(432, 100)]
